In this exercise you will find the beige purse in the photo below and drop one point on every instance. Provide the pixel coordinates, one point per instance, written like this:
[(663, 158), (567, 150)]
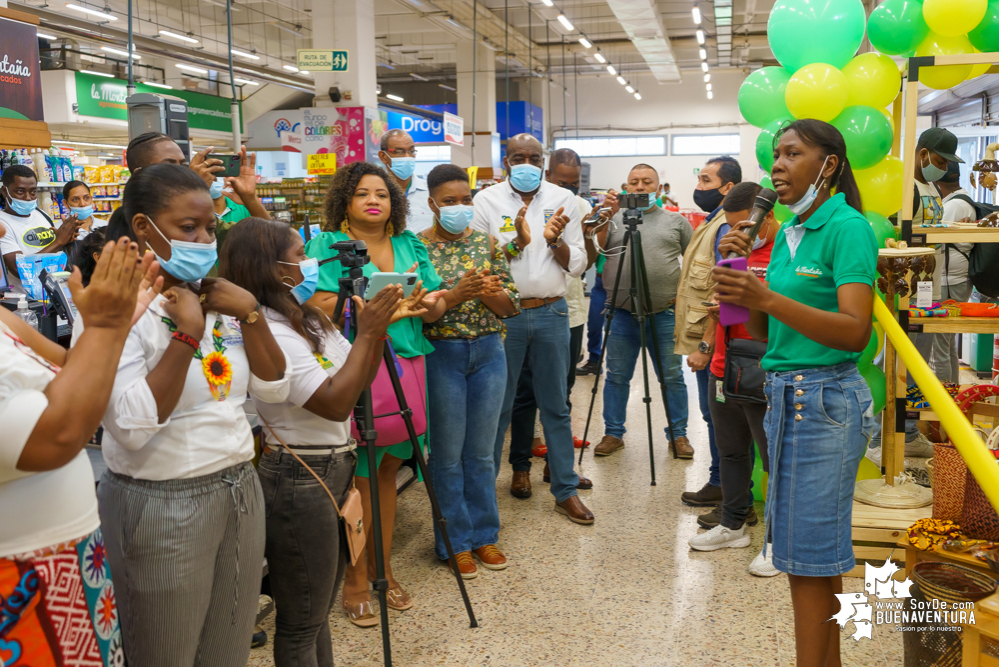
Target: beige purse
[(351, 513)]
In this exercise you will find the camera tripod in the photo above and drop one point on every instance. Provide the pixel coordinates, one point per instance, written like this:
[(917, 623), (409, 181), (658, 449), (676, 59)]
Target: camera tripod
[(353, 256), (638, 296)]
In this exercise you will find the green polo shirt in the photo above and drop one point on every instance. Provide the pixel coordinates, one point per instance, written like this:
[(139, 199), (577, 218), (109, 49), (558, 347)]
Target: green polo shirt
[(837, 247)]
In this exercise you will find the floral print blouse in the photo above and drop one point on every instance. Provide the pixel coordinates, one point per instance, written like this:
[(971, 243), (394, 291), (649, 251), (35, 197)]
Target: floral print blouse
[(452, 259)]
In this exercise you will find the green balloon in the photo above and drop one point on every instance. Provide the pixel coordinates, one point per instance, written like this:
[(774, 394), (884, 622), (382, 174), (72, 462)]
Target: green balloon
[(875, 378), (897, 26), (757, 477), (761, 96), (883, 229), (781, 213), (802, 32), (765, 143), (871, 351), (985, 36), (867, 133)]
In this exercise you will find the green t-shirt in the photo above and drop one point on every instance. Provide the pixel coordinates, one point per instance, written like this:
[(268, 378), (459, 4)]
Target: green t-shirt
[(407, 335), (601, 260), (233, 213), (835, 246)]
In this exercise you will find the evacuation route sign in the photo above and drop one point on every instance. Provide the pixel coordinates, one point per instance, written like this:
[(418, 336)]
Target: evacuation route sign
[(322, 164), (313, 60)]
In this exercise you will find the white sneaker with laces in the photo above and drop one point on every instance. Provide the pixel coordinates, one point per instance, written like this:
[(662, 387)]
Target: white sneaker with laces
[(763, 566), (921, 447), (720, 537)]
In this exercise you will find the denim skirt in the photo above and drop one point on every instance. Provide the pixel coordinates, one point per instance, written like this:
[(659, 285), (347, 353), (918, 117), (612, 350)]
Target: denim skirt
[(818, 423)]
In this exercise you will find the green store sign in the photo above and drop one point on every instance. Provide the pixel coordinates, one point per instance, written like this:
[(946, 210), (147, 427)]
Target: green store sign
[(105, 98)]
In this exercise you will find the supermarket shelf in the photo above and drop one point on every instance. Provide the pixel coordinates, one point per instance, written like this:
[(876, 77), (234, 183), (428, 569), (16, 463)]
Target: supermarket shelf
[(61, 185), (977, 325), (118, 198), (957, 234)]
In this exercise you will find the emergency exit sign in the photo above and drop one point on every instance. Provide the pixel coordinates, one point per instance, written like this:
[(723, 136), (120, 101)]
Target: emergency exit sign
[(313, 60)]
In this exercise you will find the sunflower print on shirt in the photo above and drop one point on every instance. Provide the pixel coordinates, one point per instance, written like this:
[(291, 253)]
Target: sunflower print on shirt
[(215, 366)]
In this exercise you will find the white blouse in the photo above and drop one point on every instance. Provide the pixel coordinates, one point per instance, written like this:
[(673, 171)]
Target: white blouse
[(208, 430)]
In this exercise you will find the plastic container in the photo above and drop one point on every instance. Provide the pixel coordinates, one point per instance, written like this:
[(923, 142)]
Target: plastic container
[(25, 313)]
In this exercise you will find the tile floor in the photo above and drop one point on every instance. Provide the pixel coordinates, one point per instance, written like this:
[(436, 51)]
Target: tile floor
[(626, 591)]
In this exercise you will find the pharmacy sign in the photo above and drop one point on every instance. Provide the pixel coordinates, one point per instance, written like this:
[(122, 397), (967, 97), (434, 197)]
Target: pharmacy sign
[(317, 60)]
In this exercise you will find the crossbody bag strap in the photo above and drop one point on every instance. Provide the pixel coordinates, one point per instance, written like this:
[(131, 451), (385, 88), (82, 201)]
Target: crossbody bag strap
[(307, 467)]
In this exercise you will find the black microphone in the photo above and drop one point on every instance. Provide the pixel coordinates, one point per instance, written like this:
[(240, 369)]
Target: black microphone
[(764, 204)]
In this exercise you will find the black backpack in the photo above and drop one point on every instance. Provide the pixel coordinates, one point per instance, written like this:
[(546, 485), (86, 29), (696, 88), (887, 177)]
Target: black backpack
[(983, 260)]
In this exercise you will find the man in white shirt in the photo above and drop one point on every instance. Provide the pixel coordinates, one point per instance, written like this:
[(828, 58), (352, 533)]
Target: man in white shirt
[(539, 228), (29, 231), (398, 154)]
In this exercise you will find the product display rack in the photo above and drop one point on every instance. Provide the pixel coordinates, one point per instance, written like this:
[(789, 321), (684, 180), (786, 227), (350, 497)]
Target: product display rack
[(293, 199)]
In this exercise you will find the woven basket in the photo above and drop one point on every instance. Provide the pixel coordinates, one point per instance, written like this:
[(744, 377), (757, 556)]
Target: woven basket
[(979, 520), (949, 475)]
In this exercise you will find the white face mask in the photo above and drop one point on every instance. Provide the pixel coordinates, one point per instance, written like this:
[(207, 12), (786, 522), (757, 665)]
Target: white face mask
[(805, 203)]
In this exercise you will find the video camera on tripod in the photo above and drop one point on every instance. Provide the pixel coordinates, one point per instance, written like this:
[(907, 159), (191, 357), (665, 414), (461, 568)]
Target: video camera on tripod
[(352, 255), (633, 200)]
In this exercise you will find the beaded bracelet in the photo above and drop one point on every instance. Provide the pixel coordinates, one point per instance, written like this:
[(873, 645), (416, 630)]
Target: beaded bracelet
[(186, 338)]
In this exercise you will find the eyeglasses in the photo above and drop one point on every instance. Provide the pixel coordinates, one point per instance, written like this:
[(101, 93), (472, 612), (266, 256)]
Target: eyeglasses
[(400, 152)]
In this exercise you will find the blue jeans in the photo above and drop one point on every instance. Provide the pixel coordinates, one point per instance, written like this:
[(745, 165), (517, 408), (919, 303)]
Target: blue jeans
[(704, 401), (539, 337), (595, 323), (623, 346), (464, 377)]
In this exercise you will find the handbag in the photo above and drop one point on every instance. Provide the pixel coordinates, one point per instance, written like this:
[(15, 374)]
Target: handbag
[(391, 428), (744, 378), (352, 512)]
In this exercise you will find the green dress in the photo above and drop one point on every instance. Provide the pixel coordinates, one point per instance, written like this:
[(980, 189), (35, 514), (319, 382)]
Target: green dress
[(406, 335)]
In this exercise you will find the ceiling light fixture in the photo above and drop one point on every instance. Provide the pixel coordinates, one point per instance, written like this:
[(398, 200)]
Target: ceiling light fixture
[(84, 143), (189, 68), (703, 53), (290, 68), (611, 70), (223, 6), (92, 12), (246, 82), (157, 85), (44, 36), (621, 80), (105, 74), (565, 22), (120, 52), (697, 14), (585, 42), (711, 95), (707, 77), (638, 96), (704, 67), (700, 36), (237, 52), (629, 88), (394, 97), (418, 77), (287, 29), (600, 57), (183, 38), (441, 85), (386, 65), (548, 3), (707, 86)]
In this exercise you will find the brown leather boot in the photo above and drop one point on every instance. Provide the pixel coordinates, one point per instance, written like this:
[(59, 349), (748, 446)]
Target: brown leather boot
[(608, 445), (584, 482), (574, 508), (520, 487), (682, 448)]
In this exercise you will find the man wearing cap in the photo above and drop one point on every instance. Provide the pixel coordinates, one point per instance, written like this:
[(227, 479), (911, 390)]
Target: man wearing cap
[(398, 154)]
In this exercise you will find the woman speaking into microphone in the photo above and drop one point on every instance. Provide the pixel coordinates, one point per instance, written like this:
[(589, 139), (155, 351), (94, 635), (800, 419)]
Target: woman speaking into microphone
[(816, 317)]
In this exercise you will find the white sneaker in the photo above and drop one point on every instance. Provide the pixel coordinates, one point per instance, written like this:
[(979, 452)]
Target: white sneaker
[(763, 566), (921, 447), (720, 537), (874, 454)]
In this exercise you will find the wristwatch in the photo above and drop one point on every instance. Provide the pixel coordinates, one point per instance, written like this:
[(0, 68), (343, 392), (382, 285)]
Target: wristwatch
[(513, 248), (705, 348), (557, 243), (252, 317)]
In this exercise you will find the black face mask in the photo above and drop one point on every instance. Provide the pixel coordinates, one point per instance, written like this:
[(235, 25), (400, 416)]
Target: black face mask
[(708, 200), (574, 189)]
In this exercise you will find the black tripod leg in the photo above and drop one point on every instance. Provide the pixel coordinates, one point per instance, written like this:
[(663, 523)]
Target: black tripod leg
[(421, 461), (638, 303), (366, 421), (603, 347)]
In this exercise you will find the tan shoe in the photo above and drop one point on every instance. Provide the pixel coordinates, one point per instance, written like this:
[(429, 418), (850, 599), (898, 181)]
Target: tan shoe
[(608, 445), (466, 565), (491, 557), (361, 614), (398, 599), (520, 486), (583, 484), (574, 508), (682, 448)]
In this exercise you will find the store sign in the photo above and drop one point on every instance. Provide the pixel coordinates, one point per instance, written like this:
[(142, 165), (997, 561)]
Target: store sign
[(322, 164), (423, 130), (105, 98), (454, 129), (313, 60), (20, 80)]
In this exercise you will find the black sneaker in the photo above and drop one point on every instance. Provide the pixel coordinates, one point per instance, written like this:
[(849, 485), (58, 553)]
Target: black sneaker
[(711, 519), (589, 368), (259, 638), (708, 496)]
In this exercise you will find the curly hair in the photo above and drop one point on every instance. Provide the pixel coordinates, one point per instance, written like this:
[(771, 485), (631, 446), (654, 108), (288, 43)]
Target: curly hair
[(342, 190)]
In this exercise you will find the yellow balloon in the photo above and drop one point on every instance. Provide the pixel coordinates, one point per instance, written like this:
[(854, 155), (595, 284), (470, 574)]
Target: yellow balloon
[(942, 77), (872, 79), (881, 186), (952, 18), (891, 120), (978, 70), (816, 91), (867, 470), (881, 338)]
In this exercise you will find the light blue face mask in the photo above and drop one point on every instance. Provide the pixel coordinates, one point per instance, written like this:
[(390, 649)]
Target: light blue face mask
[(304, 290), (403, 167), (82, 212), (216, 188), (188, 261), (525, 177), (931, 172), (653, 202), (802, 205), (22, 207), (455, 219)]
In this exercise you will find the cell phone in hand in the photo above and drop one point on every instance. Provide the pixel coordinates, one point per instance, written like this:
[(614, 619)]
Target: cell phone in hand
[(380, 281), (230, 164)]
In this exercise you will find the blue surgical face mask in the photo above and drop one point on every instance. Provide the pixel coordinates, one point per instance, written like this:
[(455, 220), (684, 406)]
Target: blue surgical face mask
[(216, 188), (931, 172), (802, 205), (22, 207), (455, 219), (304, 290), (188, 261), (525, 177), (82, 212), (403, 167)]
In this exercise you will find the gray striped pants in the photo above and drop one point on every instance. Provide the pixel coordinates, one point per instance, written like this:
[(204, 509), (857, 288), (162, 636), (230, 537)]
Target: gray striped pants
[(186, 558)]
